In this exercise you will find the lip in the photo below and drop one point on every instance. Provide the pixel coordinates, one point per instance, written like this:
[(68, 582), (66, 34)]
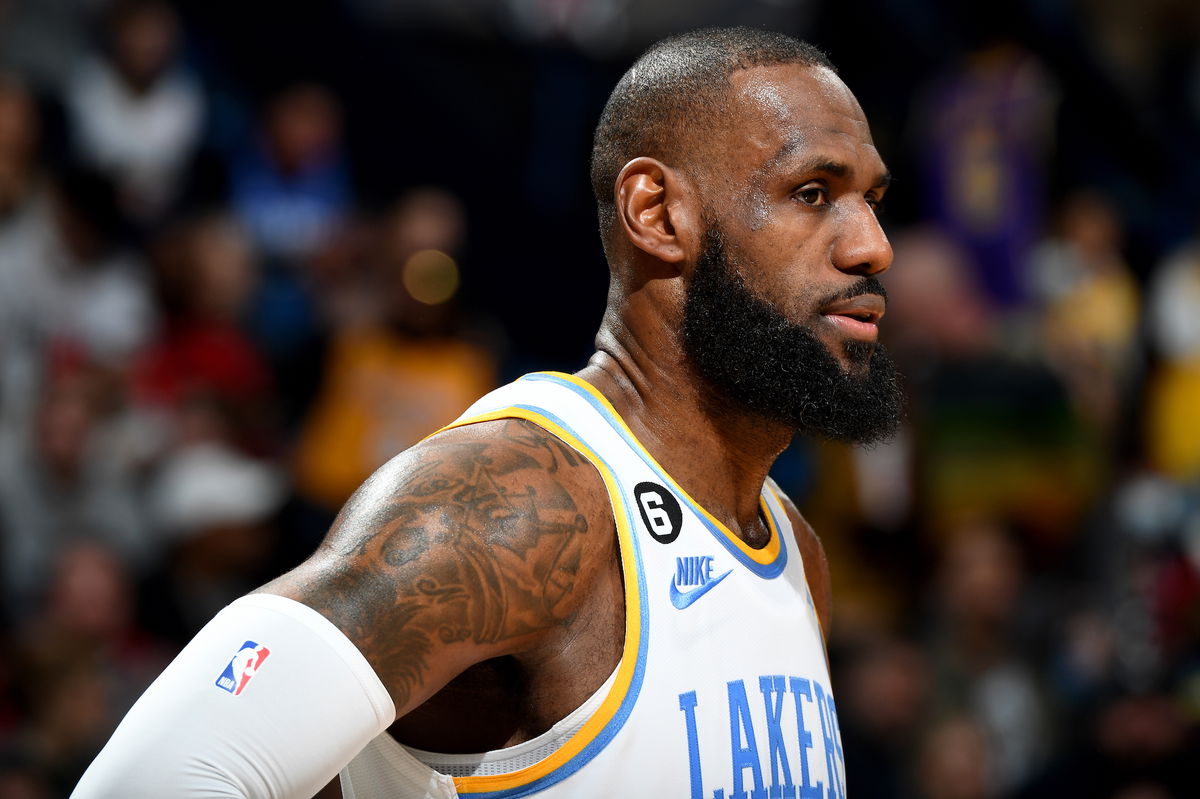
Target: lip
[(857, 317)]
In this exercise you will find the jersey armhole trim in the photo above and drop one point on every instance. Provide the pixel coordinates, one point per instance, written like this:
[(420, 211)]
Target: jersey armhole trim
[(780, 512), (612, 713)]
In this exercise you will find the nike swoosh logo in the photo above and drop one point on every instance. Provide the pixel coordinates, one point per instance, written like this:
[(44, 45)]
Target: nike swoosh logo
[(683, 599)]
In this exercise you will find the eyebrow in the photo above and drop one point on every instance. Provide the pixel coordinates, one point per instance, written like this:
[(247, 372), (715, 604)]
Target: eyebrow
[(823, 164)]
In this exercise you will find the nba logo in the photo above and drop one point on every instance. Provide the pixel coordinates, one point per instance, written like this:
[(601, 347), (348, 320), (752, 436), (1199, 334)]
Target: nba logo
[(244, 665)]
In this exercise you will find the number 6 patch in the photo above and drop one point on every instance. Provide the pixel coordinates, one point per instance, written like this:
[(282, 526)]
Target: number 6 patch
[(660, 511)]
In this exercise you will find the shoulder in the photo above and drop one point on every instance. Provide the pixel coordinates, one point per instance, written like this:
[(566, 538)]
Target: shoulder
[(816, 565), (479, 542)]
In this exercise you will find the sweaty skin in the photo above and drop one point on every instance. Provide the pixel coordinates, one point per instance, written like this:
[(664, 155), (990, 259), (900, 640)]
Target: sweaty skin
[(478, 572)]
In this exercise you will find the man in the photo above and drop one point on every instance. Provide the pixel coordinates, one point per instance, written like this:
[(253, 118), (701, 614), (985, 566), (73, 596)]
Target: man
[(588, 581)]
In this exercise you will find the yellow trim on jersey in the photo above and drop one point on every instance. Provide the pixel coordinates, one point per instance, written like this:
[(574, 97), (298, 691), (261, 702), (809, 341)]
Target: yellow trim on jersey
[(764, 556), (633, 603), (769, 515)]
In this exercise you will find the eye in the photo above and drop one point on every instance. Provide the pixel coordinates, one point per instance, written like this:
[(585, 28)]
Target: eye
[(813, 195), (874, 203)]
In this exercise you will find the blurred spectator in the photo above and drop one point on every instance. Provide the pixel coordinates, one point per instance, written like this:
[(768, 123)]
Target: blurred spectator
[(200, 357), (954, 761), (291, 191), (291, 188), (937, 310), (885, 697), (20, 178), (1152, 577), (1172, 425), (71, 715), (25, 222), (1087, 300), (1085, 658), (134, 112), (213, 506), (405, 373), (84, 662), (984, 135), (981, 664), (59, 485), (67, 284)]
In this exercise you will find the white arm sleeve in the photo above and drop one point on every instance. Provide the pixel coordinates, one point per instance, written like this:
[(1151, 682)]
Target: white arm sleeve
[(270, 699)]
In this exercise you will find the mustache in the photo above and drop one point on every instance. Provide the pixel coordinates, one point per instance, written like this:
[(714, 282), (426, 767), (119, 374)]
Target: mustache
[(868, 284)]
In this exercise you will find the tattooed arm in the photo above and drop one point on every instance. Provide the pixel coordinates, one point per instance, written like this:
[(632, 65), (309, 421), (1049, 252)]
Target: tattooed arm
[(479, 542)]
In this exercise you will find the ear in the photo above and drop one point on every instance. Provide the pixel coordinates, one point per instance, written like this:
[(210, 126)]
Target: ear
[(652, 211)]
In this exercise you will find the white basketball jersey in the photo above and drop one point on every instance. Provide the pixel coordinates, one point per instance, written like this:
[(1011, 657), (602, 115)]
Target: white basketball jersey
[(722, 691)]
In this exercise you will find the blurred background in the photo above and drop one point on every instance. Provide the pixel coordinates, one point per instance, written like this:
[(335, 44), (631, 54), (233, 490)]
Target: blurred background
[(251, 250)]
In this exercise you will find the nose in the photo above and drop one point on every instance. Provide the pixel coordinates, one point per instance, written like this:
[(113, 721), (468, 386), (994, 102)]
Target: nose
[(861, 247)]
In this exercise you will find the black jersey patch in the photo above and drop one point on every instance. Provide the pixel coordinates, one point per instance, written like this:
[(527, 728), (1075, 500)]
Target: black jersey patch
[(660, 511)]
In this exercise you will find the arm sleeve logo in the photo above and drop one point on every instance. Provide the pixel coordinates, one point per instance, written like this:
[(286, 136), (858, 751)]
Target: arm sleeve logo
[(242, 667)]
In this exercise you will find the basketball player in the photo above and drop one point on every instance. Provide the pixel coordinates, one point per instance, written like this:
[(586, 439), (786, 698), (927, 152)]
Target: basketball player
[(587, 585)]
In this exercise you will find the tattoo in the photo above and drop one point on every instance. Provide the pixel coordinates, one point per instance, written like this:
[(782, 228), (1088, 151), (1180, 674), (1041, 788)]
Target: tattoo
[(480, 543)]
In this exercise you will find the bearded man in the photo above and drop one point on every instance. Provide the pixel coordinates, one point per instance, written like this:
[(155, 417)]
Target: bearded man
[(588, 585)]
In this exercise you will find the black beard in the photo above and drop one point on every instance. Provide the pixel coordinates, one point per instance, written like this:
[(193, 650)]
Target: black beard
[(753, 356)]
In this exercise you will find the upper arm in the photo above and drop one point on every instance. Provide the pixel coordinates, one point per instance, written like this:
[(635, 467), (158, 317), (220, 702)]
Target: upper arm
[(477, 543), (816, 565)]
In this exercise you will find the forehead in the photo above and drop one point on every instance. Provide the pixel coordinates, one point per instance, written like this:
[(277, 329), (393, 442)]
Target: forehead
[(793, 112)]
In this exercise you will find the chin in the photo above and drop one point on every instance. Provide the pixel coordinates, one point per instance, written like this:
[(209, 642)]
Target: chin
[(854, 355)]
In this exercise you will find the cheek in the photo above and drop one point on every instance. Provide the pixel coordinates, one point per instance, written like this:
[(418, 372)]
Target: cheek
[(793, 237), (759, 212), (782, 263), (787, 274), (801, 306), (791, 294)]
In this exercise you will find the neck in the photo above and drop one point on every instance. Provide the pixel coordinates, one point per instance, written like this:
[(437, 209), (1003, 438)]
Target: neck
[(719, 453)]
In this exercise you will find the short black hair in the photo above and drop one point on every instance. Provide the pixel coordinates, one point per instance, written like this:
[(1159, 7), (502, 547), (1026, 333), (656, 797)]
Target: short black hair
[(673, 91)]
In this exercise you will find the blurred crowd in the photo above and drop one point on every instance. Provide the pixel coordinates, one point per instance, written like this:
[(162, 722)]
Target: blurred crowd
[(249, 252)]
